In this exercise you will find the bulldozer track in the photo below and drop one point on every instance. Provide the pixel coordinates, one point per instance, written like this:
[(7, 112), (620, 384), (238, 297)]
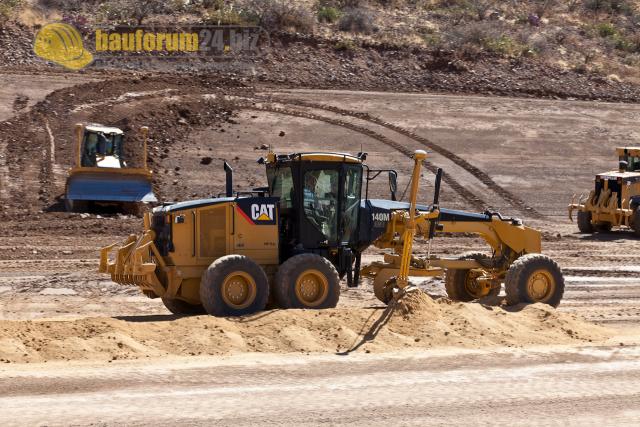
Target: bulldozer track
[(470, 197), (473, 170)]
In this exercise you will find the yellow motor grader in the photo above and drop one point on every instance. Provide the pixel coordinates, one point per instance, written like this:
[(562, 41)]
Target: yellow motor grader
[(291, 243), (615, 199)]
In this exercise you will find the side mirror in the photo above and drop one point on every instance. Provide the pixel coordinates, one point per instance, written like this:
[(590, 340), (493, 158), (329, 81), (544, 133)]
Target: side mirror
[(393, 184)]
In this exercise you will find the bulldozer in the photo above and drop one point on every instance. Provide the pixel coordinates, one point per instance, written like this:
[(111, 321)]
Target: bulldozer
[(101, 175), (290, 243), (615, 199)]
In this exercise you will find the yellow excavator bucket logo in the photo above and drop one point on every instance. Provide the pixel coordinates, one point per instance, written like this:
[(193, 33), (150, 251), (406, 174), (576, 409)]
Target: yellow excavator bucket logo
[(62, 44)]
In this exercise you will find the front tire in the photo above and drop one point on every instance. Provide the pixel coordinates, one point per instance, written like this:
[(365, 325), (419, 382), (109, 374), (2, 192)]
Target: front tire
[(307, 281), (234, 285), (534, 278), (459, 283), (382, 288), (584, 222)]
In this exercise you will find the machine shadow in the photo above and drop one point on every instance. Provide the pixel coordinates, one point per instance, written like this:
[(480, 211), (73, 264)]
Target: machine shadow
[(144, 318), (610, 236), (373, 331)]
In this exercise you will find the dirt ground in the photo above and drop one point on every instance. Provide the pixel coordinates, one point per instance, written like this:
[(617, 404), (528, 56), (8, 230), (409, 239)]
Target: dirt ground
[(523, 157)]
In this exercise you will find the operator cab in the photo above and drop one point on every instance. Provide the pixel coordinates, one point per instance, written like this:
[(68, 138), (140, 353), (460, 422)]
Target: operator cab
[(323, 205), (102, 147), (320, 197)]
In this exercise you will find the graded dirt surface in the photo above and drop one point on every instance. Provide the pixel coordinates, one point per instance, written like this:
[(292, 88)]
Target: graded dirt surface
[(540, 386), (525, 158)]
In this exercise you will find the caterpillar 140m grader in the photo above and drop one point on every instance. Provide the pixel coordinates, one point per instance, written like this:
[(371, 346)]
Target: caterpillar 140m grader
[(291, 243), (615, 200), (101, 174)]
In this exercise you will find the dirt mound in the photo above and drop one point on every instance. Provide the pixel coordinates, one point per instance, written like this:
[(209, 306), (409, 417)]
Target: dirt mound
[(416, 322)]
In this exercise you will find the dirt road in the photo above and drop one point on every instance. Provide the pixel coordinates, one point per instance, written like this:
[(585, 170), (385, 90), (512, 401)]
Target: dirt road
[(523, 157), (583, 386)]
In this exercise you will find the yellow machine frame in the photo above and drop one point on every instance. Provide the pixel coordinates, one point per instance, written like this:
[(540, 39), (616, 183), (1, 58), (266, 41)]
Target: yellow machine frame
[(607, 206), (137, 261)]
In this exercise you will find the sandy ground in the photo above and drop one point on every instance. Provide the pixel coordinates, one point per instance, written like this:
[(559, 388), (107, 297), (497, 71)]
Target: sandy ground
[(66, 325), (540, 386)]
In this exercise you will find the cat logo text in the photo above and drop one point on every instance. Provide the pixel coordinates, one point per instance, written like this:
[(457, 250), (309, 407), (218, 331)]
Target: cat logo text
[(263, 212)]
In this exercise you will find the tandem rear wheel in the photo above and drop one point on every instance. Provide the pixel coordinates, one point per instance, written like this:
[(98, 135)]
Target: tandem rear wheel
[(234, 285), (307, 281)]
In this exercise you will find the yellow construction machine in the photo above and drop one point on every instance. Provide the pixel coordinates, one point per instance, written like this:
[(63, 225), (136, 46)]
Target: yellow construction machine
[(101, 174), (291, 243), (615, 199)]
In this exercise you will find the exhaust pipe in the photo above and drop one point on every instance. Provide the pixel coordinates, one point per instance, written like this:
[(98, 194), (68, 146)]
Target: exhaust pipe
[(229, 172)]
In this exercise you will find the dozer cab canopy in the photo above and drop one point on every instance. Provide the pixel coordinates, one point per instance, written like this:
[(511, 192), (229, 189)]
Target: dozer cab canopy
[(629, 158), (101, 172)]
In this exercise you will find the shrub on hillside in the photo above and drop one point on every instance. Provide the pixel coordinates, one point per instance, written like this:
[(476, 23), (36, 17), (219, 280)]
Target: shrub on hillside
[(610, 6), (328, 14), (357, 20), (7, 9), (471, 39), (280, 15)]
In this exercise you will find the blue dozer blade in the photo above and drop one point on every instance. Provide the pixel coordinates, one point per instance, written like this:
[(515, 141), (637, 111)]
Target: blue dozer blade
[(107, 187)]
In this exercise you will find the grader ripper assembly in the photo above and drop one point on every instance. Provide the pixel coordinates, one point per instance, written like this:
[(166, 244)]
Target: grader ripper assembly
[(290, 244), (615, 199)]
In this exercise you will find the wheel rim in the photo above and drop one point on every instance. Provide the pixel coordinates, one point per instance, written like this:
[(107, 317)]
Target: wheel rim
[(239, 290), (470, 284), (541, 285), (312, 288)]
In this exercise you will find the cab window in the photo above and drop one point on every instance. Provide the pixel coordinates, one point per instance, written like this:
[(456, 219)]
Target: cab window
[(320, 201), (351, 202), (281, 185)]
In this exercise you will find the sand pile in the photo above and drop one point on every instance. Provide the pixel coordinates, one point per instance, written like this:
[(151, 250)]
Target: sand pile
[(416, 322)]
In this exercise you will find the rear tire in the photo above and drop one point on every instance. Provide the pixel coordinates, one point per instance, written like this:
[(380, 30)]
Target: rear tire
[(182, 308), (456, 281), (584, 222), (234, 285), (307, 281), (534, 278)]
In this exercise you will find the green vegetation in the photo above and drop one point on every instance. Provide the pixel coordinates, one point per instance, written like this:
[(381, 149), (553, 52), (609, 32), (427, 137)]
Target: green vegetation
[(329, 14), (8, 8), (606, 29)]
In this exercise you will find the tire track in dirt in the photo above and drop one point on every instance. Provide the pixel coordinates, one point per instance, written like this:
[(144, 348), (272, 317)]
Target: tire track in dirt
[(474, 200), (479, 174), (589, 272), (469, 196)]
